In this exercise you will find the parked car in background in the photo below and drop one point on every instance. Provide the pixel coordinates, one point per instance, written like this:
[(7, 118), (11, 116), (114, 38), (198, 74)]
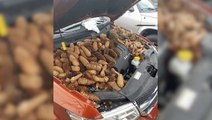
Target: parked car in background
[(141, 19)]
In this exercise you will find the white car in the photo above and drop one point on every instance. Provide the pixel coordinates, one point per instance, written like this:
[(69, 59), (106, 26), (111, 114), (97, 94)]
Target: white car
[(141, 19)]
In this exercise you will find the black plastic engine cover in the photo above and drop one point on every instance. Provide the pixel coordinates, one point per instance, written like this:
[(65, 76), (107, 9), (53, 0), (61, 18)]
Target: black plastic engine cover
[(122, 62), (140, 86)]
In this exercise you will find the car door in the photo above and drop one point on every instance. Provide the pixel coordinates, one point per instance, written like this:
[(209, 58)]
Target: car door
[(130, 19)]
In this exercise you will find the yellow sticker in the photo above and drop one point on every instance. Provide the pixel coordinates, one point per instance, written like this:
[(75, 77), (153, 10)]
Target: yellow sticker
[(63, 46), (3, 26)]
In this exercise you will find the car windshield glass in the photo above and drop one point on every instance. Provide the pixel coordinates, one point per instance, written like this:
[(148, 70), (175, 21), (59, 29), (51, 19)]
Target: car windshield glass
[(145, 6)]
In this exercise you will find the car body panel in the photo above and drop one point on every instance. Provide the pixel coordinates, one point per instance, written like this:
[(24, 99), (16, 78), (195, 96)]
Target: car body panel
[(149, 18), (130, 20), (73, 101)]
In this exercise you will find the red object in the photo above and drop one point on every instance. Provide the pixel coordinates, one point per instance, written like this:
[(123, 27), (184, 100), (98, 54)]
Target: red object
[(153, 115), (71, 100)]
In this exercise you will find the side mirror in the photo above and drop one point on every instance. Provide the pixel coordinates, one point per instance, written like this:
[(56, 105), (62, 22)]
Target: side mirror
[(131, 9)]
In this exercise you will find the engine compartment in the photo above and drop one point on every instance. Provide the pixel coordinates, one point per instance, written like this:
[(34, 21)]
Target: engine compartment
[(100, 64)]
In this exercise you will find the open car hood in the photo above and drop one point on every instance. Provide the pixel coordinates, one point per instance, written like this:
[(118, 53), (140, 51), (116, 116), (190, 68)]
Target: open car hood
[(67, 12)]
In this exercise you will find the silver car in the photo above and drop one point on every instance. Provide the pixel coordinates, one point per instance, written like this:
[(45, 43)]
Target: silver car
[(141, 19)]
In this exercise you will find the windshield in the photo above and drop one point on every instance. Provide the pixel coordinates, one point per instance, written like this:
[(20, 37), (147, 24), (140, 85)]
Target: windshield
[(145, 6)]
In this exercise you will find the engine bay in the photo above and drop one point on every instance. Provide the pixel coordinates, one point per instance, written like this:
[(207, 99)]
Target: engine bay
[(100, 67)]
